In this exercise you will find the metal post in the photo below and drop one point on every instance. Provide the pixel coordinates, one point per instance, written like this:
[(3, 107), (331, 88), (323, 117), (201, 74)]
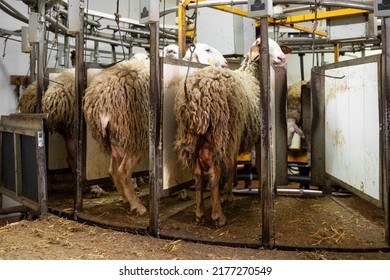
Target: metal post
[(336, 52), (263, 150), (41, 56), (33, 62), (181, 40), (386, 120), (155, 130), (78, 121)]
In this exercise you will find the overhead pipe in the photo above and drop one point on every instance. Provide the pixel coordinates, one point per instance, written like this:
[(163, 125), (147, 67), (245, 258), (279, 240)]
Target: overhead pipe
[(332, 3), (12, 11)]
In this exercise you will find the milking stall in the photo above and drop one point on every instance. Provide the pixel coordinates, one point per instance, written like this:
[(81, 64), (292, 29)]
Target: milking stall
[(184, 143)]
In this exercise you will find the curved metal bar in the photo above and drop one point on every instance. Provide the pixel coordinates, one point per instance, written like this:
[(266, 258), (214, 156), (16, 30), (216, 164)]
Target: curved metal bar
[(331, 3), (12, 12)]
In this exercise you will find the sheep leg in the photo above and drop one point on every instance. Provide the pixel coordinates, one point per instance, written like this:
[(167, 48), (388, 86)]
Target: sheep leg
[(217, 214), (113, 171), (70, 143), (125, 172), (199, 176), (228, 188)]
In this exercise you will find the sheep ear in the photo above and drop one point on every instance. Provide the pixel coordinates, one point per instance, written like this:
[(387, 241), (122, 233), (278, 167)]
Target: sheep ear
[(285, 49), (254, 53)]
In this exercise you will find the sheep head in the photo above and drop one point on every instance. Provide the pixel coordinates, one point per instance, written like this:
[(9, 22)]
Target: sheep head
[(277, 53), (171, 51), (206, 54)]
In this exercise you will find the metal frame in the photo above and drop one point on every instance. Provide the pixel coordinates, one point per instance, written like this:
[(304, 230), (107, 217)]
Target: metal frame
[(319, 176), (31, 125)]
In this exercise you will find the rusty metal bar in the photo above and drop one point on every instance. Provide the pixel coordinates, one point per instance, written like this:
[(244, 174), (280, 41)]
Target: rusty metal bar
[(336, 52), (386, 122), (78, 123), (41, 57), (155, 131), (265, 140)]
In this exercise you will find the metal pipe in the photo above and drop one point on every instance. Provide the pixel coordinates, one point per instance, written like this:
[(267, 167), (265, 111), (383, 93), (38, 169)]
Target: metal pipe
[(336, 52), (62, 27), (156, 131), (79, 126), (41, 56), (202, 5), (284, 191), (264, 161), (332, 3), (12, 11), (86, 20)]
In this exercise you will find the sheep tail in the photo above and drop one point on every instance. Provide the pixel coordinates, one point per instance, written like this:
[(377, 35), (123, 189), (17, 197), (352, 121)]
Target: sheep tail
[(203, 113)]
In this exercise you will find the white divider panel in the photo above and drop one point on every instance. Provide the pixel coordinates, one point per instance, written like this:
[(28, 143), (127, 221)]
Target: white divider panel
[(56, 143), (174, 173), (352, 132)]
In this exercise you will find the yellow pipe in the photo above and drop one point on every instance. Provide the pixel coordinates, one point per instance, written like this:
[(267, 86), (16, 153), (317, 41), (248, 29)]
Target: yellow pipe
[(336, 52), (306, 29), (181, 31), (320, 16)]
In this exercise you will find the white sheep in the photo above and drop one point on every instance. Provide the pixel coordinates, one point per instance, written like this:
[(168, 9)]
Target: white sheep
[(294, 111), (201, 53), (28, 100), (218, 118), (58, 101), (116, 106), (116, 109)]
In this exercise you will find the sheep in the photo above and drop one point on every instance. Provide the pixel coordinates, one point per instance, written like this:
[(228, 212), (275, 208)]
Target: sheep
[(28, 100), (217, 112), (116, 110), (294, 111), (116, 106), (58, 102), (201, 53)]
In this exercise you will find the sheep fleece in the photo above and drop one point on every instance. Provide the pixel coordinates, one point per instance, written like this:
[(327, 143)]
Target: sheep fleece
[(28, 100), (58, 102), (121, 95), (220, 106)]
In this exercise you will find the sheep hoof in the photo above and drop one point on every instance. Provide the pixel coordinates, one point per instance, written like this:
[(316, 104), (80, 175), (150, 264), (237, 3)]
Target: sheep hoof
[(220, 221), (228, 199), (183, 195), (95, 192), (140, 210), (200, 220)]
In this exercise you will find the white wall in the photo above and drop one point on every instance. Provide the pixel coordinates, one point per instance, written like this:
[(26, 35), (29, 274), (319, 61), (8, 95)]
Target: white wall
[(293, 63)]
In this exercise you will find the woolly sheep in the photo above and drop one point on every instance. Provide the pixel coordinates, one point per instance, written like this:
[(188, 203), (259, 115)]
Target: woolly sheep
[(294, 111), (218, 118), (28, 100), (116, 106), (116, 109), (58, 102), (202, 53)]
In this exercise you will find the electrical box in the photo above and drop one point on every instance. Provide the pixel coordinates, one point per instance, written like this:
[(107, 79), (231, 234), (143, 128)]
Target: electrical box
[(352, 27), (381, 8), (259, 8), (34, 26), (230, 34), (149, 11), (26, 47), (74, 21)]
